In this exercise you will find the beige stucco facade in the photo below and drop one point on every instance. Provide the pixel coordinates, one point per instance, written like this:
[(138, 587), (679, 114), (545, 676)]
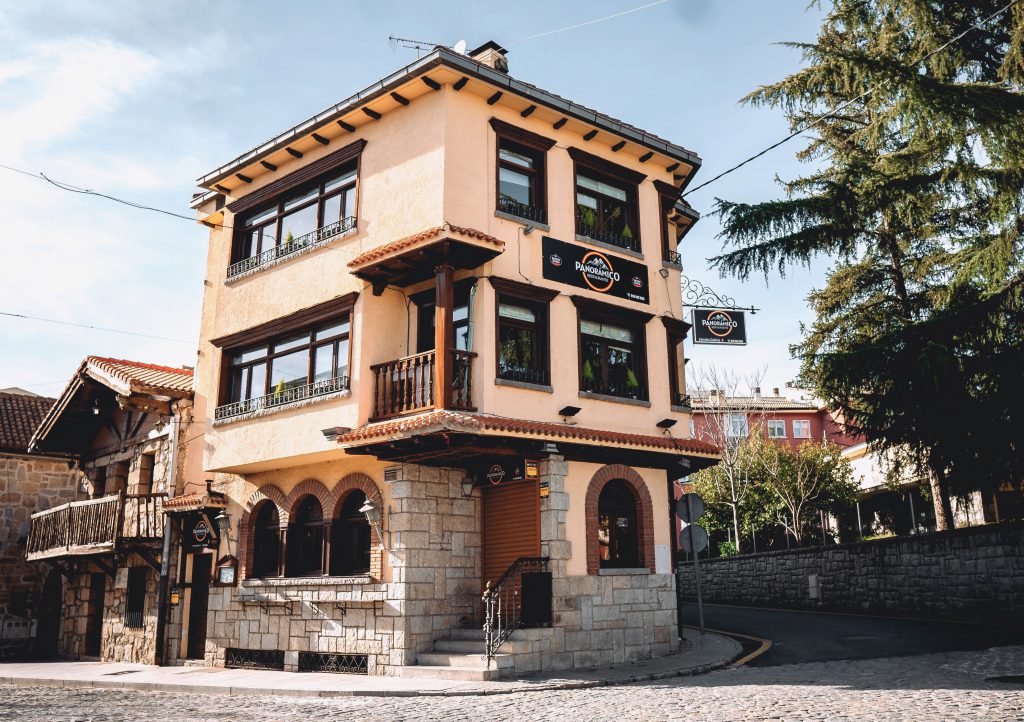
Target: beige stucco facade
[(429, 161)]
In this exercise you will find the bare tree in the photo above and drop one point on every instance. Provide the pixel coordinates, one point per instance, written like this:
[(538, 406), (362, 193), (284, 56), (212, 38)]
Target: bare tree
[(727, 409)]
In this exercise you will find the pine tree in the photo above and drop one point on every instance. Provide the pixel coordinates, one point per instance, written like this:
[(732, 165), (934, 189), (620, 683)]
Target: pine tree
[(917, 199)]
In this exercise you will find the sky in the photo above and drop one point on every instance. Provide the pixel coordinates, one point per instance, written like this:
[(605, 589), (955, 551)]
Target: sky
[(137, 100)]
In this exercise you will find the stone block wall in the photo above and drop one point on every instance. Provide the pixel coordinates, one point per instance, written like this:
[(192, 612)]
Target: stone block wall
[(432, 533), (27, 484), (976, 573)]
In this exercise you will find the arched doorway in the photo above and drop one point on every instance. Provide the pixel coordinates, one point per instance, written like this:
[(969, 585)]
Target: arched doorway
[(305, 543), (350, 538), (619, 547), (48, 616)]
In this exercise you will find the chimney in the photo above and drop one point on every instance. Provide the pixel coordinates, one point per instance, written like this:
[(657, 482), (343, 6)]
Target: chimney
[(492, 55), (757, 392), (775, 391)]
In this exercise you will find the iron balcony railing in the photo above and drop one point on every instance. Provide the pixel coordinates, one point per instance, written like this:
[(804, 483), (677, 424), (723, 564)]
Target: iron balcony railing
[(524, 375), (612, 238), (522, 210), (521, 597), (672, 257), (282, 398), (286, 249), (95, 526), (622, 390)]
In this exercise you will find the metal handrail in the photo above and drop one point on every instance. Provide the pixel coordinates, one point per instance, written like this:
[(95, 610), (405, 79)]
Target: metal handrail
[(503, 603), (294, 246), (287, 396)]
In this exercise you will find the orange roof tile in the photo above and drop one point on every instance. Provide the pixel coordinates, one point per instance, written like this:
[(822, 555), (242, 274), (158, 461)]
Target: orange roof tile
[(143, 376), (474, 423), (190, 502), (20, 414), (416, 239)]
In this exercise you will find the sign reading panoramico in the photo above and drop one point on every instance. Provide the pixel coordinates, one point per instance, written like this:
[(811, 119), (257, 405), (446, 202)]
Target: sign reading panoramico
[(596, 270), (719, 326)]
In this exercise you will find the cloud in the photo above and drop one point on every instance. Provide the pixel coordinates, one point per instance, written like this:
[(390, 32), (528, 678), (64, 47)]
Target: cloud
[(57, 88)]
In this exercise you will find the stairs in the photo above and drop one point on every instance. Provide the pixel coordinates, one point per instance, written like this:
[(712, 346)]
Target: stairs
[(461, 656)]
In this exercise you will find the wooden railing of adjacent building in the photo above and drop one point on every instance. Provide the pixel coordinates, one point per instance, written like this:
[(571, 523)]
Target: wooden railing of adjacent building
[(95, 526), (406, 385)]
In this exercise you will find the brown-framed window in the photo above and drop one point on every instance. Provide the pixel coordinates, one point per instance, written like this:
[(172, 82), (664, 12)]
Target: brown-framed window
[(617, 538), (523, 338), (306, 545), (135, 602), (304, 215), (425, 316), (607, 209), (676, 331), (317, 357), (613, 350), (266, 546), (521, 172), (350, 538)]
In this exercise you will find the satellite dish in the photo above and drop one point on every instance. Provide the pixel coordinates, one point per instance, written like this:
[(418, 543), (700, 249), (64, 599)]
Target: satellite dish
[(460, 47)]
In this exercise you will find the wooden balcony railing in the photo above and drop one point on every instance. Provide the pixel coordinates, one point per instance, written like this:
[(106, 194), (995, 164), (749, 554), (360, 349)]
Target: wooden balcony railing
[(406, 385), (95, 526)]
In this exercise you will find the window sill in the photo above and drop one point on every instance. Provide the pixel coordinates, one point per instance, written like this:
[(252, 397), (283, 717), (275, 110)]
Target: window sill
[(522, 221), (631, 571), (283, 407), (673, 266), (609, 246), (327, 242), (682, 409), (296, 582), (614, 399), (357, 591), (523, 385)]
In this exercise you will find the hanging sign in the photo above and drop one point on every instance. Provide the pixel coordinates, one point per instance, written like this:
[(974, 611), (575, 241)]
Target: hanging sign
[(594, 270), (198, 533), (719, 326)]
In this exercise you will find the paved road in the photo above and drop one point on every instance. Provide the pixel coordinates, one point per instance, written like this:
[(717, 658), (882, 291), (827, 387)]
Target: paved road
[(814, 637), (939, 686)]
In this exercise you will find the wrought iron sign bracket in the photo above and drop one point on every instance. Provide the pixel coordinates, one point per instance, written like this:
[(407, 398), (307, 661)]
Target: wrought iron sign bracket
[(697, 295)]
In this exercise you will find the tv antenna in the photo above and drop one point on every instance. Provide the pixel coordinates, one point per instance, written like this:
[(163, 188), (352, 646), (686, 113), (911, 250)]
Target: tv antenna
[(417, 45)]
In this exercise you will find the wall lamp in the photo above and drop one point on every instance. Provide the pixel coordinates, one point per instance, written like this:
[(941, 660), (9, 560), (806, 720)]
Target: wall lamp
[(567, 412), (372, 513), (223, 522), (468, 482), (666, 423)]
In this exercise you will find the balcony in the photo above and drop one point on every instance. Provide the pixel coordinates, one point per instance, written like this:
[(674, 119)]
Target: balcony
[(523, 375), (521, 210), (96, 526), (673, 257), (620, 390), (609, 237), (286, 249), (406, 385), (281, 398)]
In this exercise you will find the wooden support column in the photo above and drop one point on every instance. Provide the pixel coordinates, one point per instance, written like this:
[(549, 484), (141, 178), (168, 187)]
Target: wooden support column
[(444, 334)]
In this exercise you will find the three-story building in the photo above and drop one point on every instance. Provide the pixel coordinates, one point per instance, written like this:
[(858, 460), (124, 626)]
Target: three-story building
[(441, 359)]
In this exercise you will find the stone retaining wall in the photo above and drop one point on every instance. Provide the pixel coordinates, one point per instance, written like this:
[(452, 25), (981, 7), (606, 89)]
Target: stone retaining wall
[(976, 573)]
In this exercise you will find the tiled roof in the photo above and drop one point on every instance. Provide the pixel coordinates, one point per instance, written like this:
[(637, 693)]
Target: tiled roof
[(416, 239), (20, 414), (475, 423), (138, 376), (191, 502)]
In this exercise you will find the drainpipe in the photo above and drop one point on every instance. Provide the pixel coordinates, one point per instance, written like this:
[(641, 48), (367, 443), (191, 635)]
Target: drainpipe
[(165, 561), (673, 525)]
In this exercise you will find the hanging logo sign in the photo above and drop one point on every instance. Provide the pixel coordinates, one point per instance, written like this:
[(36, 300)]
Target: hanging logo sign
[(719, 326), (496, 474), (198, 534), (594, 270)]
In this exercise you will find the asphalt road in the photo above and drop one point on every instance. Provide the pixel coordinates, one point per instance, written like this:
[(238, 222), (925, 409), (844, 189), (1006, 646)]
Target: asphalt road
[(799, 636)]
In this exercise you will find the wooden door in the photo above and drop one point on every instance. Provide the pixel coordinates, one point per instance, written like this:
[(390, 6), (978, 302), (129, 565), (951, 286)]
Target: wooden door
[(511, 526), (48, 625), (94, 614), (199, 599)]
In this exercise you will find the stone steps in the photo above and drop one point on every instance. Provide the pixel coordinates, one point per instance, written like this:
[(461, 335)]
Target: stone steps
[(461, 657)]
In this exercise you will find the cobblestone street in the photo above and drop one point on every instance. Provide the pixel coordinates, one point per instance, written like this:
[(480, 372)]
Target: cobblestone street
[(925, 687)]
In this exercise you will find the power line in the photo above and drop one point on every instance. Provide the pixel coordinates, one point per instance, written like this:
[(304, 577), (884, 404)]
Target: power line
[(86, 191), (593, 22), (843, 106), (94, 328)]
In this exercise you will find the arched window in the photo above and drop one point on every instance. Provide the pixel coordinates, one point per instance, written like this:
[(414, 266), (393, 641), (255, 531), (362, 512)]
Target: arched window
[(305, 547), (618, 546), (266, 546), (350, 538)]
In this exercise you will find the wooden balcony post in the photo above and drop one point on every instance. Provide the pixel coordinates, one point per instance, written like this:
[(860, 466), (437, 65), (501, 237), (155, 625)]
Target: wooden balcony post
[(444, 335)]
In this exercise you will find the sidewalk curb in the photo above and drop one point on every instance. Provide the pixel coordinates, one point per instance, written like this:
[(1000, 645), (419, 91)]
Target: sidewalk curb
[(455, 692)]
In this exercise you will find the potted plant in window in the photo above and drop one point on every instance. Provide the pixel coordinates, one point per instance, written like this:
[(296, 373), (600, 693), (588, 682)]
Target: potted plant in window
[(279, 392), (587, 219), (632, 384), (588, 376)]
